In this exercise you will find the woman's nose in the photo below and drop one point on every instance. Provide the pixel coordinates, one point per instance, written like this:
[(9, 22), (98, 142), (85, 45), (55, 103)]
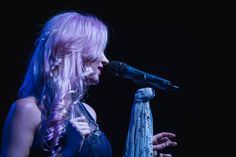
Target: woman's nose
[(104, 60)]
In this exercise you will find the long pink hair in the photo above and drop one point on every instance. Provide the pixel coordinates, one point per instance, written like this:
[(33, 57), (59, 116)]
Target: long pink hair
[(56, 75)]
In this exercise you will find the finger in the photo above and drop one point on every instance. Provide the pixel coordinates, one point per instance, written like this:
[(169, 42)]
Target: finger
[(172, 144), (85, 132), (163, 139), (165, 155), (168, 141), (159, 139), (160, 146), (155, 154), (81, 119), (80, 123), (164, 134), (83, 127), (80, 126), (164, 145)]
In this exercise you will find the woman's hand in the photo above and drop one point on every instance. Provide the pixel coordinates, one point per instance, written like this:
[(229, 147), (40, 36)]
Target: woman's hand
[(161, 141), (81, 126), (77, 130)]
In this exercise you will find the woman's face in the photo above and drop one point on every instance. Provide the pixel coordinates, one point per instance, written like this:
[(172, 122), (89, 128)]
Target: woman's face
[(97, 67)]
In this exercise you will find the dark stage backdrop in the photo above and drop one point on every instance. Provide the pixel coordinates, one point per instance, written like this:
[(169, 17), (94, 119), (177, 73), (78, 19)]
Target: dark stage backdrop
[(186, 42)]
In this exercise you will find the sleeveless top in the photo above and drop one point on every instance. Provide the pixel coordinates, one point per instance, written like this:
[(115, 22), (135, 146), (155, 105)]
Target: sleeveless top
[(95, 145)]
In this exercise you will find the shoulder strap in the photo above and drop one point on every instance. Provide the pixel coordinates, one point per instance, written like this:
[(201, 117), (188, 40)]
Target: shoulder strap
[(85, 111)]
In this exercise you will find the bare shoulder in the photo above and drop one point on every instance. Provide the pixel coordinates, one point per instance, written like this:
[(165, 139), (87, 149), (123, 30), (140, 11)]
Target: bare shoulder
[(21, 122), (27, 109), (91, 111), (28, 105)]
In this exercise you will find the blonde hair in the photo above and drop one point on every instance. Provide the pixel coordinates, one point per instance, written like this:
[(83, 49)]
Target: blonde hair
[(56, 75)]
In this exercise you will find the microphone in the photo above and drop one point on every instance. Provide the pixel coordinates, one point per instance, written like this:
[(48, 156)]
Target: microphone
[(122, 69)]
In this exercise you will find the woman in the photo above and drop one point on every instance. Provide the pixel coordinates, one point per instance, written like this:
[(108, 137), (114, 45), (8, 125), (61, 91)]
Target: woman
[(49, 118)]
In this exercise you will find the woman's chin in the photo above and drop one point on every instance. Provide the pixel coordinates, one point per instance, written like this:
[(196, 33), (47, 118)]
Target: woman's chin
[(93, 81)]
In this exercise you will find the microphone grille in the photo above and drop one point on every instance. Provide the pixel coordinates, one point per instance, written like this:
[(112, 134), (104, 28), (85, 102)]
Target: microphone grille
[(116, 68)]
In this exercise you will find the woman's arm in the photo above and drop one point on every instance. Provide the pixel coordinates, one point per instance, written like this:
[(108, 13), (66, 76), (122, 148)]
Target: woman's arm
[(21, 122)]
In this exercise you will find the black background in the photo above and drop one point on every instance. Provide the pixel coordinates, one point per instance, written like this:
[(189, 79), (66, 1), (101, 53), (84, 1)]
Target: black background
[(187, 42)]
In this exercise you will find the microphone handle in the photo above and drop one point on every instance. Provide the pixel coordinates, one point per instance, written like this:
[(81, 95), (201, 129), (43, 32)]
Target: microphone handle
[(144, 78)]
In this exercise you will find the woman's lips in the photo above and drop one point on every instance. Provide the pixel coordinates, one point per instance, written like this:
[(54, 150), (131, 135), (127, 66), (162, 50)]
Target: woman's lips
[(100, 70)]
